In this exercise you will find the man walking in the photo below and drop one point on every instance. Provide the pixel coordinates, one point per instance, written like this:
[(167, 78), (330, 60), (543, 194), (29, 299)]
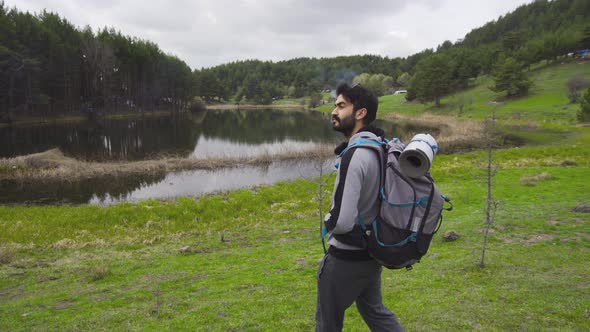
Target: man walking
[(347, 273)]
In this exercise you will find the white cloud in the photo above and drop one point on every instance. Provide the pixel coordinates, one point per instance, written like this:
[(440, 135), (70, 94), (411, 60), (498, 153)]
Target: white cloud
[(399, 34), (210, 32), (211, 17)]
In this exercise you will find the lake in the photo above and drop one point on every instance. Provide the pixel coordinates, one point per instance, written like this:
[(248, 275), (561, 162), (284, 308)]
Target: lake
[(207, 134)]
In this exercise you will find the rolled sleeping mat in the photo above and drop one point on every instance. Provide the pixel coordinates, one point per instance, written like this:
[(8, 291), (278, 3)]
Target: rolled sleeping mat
[(418, 155)]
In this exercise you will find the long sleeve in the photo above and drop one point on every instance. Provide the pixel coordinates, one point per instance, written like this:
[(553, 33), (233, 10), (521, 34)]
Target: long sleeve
[(343, 215)]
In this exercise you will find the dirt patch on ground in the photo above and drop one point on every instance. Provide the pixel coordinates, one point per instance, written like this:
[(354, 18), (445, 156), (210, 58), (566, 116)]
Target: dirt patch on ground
[(304, 262), (65, 244), (531, 180), (574, 221), (583, 208), (7, 255), (11, 293), (538, 238), (157, 278), (47, 279), (570, 239), (529, 240), (483, 230), (62, 305), (199, 277)]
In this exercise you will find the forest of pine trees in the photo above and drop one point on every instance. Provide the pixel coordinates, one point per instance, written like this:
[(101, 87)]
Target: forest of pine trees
[(50, 68)]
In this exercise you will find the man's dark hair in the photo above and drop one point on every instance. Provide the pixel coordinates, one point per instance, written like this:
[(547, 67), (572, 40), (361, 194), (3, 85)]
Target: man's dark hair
[(360, 98)]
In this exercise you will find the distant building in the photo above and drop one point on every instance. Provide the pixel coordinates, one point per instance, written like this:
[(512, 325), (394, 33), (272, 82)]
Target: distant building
[(399, 92)]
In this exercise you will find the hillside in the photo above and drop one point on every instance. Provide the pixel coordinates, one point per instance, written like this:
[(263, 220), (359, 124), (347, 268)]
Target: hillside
[(546, 105)]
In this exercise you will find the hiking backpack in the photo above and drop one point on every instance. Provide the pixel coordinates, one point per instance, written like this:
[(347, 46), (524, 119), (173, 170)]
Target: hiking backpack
[(410, 212)]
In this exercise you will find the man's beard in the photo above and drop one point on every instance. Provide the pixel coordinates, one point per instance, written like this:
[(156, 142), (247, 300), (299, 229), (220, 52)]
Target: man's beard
[(344, 125)]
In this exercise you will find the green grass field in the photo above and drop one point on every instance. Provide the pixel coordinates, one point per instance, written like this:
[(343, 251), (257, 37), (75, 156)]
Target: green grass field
[(253, 255), (303, 102), (247, 260)]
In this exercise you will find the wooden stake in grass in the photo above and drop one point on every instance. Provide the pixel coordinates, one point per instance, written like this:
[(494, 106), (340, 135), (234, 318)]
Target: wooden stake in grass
[(491, 203), (319, 165)]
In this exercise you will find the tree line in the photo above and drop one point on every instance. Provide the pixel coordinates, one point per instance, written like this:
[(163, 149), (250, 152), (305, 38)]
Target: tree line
[(504, 48), (262, 81), (48, 67)]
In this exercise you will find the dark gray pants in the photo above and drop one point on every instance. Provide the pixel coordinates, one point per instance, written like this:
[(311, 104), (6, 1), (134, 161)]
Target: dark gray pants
[(342, 282)]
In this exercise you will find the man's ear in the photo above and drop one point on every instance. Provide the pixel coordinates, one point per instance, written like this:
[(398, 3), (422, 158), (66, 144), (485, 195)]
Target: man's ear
[(361, 113)]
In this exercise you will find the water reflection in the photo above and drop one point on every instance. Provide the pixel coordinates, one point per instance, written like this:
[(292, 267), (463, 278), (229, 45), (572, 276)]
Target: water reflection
[(196, 183), (245, 132), (265, 126), (209, 134), (104, 191), (220, 148), (144, 138), (127, 139), (70, 192)]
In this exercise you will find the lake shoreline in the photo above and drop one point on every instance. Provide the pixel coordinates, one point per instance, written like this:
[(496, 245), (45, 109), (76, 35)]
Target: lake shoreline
[(53, 165), (256, 107), (79, 118)]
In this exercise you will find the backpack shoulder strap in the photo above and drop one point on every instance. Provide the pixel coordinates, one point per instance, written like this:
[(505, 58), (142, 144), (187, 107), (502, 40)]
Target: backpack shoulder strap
[(379, 147)]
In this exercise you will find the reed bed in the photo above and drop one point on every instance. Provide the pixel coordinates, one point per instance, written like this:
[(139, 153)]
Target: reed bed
[(54, 165), (454, 134)]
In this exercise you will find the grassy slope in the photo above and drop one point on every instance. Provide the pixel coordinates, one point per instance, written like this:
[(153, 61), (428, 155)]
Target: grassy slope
[(546, 103), (254, 253), (302, 102)]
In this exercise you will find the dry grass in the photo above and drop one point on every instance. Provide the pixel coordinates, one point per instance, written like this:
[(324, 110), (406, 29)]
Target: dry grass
[(455, 135), (7, 255), (65, 244), (99, 272), (53, 165), (531, 180)]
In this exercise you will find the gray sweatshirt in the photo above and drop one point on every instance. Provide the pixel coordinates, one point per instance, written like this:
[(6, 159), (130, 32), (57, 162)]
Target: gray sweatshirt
[(355, 194)]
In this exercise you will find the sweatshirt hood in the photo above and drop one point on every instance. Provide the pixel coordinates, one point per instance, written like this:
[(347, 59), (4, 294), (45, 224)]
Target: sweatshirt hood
[(370, 130)]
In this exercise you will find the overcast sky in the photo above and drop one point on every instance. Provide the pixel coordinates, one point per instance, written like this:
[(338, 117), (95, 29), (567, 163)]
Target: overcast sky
[(206, 33)]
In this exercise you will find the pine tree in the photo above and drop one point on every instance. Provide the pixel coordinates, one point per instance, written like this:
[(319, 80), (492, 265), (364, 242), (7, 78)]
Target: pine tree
[(509, 76), (433, 78), (584, 112)]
